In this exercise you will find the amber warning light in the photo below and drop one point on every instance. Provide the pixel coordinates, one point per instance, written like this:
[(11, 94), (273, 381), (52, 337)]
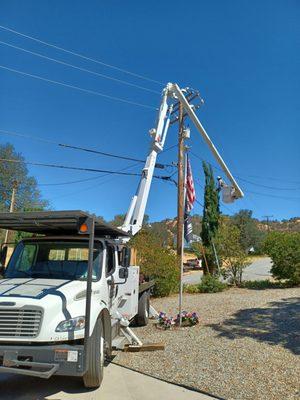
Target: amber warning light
[(83, 228)]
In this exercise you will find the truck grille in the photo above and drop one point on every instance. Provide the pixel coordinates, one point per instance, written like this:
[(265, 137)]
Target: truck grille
[(20, 322)]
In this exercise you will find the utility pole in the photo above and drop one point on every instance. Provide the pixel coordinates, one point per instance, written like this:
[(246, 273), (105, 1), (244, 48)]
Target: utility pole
[(180, 185), (12, 206), (267, 217), (180, 202)]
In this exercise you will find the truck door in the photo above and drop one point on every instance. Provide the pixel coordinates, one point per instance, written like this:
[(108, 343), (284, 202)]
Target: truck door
[(111, 272)]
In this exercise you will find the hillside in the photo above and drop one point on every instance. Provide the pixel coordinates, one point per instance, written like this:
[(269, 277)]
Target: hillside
[(166, 229), (286, 225)]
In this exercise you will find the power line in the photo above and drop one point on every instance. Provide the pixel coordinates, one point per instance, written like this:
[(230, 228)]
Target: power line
[(272, 179), (102, 153), (274, 196), (165, 179), (265, 186), (79, 68), (81, 55), (25, 136), (94, 185), (77, 88), (38, 164), (88, 150), (84, 180), (200, 204), (245, 180), (100, 184)]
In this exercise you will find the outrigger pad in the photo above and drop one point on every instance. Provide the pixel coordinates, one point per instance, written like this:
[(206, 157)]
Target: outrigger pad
[(144, 347)]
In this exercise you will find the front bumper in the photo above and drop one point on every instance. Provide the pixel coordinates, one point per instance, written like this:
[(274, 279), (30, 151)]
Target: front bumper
[(42, 361)]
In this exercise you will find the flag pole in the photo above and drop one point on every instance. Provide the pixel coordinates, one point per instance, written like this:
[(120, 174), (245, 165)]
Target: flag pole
[(182, 243), (180, 201)]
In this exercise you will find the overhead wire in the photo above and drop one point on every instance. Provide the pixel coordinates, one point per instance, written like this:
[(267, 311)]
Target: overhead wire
[(274, 196), (84, 180), (77, 88), (265, 186), (79, 68), (245, 180), (65, 145), (80, 55), (59, 166), (100, 184), (94, 185)]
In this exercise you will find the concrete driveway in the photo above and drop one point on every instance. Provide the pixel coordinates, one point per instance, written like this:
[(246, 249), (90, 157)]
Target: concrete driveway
[(119, 384), (258, 270)]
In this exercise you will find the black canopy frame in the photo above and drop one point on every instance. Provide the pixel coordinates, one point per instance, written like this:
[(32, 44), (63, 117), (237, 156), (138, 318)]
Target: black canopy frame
[(55, 223)]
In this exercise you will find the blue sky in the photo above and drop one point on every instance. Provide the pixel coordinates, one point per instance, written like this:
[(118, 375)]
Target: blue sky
[(243, 56)]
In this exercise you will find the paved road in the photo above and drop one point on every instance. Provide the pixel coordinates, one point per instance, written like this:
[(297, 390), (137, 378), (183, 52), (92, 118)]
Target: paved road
[(258, 270), (118, 384)]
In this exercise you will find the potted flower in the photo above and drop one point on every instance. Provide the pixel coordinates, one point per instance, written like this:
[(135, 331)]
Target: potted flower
[(187, 319)]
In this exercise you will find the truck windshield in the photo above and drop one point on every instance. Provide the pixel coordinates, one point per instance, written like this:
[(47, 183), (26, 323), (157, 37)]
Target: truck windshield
[(53, 260)]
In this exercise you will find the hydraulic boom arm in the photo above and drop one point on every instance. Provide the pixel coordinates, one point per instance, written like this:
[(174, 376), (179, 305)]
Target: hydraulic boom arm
[(181, 98), (135, 214)]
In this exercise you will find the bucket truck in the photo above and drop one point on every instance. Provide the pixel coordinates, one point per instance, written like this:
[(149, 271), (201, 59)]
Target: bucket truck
[(69, 292)]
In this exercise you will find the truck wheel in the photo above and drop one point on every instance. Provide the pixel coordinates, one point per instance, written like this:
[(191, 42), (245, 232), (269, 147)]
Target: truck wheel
[(143, 309), (96, 355)]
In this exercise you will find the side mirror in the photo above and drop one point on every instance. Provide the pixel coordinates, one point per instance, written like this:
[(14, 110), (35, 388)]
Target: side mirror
[(3, 254), (126, 256), (123, 273)]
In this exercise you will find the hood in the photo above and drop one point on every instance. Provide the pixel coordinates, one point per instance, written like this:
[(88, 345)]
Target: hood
[(38, 288)]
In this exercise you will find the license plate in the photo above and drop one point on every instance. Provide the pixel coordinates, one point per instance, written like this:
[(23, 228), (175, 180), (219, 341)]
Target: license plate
[(66, 355)]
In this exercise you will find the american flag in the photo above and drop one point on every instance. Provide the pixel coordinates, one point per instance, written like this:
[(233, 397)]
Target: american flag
[(190, 197)]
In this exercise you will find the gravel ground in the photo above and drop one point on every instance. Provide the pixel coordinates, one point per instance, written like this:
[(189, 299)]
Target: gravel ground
[(246, 346)]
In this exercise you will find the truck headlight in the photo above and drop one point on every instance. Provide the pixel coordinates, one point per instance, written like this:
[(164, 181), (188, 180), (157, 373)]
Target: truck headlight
[(72, 324)]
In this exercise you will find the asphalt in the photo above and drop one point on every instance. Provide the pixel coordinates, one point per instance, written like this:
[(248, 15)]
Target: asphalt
[(258, 270), (119, 384)]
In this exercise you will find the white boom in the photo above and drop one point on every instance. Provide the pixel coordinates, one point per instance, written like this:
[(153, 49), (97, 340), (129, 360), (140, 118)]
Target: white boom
[(135, 214), (177, 91)]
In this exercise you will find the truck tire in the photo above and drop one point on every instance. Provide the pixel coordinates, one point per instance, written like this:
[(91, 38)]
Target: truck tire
[(96, 356), (143, 309)]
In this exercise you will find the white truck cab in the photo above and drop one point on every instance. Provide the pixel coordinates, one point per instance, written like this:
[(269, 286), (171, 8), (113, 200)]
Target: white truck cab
[(62, 288)]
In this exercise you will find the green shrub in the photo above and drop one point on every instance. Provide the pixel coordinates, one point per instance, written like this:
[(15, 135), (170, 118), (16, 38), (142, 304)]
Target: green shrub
[(232, 256), (165, 272), (191, 289), (211, 284), (284, 250), (156, 262), (264, 284)]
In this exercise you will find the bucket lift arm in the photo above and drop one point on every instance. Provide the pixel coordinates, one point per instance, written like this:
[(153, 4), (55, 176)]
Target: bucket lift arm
[(181, 98), (135, 214)]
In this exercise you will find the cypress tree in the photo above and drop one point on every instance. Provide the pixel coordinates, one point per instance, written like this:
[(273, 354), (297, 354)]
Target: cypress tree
[(211, 213)]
